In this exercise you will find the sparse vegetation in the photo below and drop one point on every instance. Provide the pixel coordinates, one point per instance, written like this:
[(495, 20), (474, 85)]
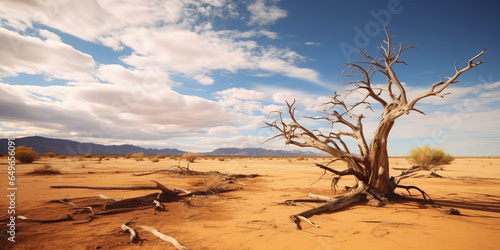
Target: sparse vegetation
[(62, 156), (45, 170), (428, 158), (190, 157), (160, 156), (138, 156), (87, 156), (26, 155), (155, 160), (50, 154)]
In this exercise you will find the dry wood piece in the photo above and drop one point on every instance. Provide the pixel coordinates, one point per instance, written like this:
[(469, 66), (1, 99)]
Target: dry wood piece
[(104, 197), (147, 173), (134, 237), (24, 218), (164, 237), (108, 188), (158, 205)]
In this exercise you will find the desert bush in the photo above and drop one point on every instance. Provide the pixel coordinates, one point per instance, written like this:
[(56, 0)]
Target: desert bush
[(127, 156), (222, 159), (26, 155), (428, 158), (87, 156), (62, 156), (45, 170), (50, 154), (190, 157), (160, 156), (155, 160), (138, 156)]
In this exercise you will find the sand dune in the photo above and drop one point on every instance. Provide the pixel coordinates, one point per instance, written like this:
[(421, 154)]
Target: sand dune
[(251, 217)]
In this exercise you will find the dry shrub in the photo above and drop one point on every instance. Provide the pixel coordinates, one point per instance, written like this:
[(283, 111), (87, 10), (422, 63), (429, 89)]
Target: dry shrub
[(26, 155), (127, 156), (155, 160), (190, 157), (50, 154), (138, 156), (87, 156), (214, 181), (428, 158), (62, 156), (160, 156), (45, 170), (221, 159)]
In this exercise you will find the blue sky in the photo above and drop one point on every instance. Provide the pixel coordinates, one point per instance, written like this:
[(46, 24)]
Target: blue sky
[(198, 75)]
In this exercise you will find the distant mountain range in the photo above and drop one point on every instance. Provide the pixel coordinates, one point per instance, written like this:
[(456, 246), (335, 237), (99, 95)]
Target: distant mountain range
[(44, 145)]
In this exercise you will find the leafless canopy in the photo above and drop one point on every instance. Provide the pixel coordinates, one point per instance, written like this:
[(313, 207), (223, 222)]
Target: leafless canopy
[(371, 165)]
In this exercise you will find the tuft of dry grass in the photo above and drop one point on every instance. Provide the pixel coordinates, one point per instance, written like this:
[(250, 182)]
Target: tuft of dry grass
[(214, 181), (190, 157), (155, 160), (50, 154), (428, 158), (45, 170), (138, 156)]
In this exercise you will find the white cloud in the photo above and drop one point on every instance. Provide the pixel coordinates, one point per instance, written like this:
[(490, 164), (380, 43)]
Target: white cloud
[(240, 93), (262, 14), (312, 43), (32, 55)]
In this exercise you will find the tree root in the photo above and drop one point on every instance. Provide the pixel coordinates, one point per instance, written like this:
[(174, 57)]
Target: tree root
[(424, 194), (332, 204)]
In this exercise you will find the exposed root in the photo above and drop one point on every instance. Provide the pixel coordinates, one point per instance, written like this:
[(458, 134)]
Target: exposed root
[(424, 194), (332, 204)]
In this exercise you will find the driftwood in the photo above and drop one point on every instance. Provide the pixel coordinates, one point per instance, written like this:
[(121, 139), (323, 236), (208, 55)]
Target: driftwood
[(147, 173), (107, 205), (134, 237), (164, 237), (109, 188), (24, 218)]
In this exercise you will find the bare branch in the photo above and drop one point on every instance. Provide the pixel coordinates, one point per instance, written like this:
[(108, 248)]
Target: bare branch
[(442, 85)]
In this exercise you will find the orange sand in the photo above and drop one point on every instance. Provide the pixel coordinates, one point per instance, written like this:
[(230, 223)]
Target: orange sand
[(251, 218)]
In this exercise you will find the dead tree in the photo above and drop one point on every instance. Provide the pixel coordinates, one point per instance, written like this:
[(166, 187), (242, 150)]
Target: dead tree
[(370, 167)]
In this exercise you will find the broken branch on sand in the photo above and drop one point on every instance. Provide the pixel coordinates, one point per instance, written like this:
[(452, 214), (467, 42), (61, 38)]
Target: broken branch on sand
[(164, 237)]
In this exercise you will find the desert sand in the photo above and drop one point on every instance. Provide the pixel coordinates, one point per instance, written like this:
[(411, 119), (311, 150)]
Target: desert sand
[(251, 217)]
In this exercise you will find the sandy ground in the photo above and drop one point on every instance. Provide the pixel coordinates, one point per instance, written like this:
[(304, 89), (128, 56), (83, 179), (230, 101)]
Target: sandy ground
[(251, 218)]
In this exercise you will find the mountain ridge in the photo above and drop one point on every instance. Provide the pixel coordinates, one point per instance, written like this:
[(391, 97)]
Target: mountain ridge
[(44, 145)]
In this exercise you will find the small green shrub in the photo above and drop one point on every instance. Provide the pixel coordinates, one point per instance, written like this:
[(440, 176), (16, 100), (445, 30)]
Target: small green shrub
[(26, 155), (428, 158)]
